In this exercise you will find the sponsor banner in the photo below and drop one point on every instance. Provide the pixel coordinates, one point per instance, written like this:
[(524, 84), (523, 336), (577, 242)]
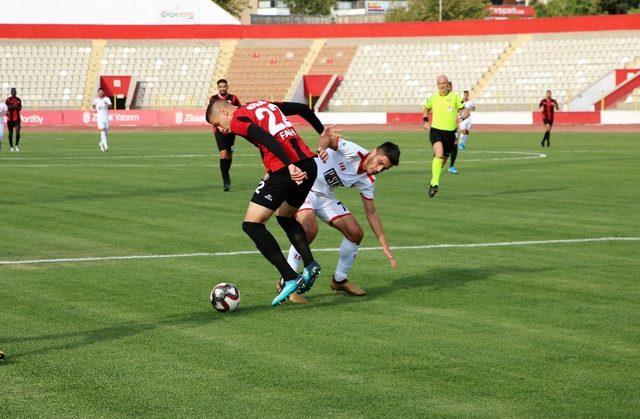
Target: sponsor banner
[(141, 118), (178, 12), (510, 11), (182, 117), (40, 118), (381, 6)]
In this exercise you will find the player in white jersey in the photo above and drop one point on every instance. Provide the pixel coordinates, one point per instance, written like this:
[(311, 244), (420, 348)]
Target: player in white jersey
[(4, 111), (102, 104), (345, 163), (465, 122)]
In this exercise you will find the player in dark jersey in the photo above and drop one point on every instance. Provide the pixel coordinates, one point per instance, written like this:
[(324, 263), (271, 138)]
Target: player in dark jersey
[(291, 171), (14, 104), (548, 106), (225, 141)]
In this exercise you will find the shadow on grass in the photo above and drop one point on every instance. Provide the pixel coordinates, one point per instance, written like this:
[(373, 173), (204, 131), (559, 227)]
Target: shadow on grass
[(434, 281)]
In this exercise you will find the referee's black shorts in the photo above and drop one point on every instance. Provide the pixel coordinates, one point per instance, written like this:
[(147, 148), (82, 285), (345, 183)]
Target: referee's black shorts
[(447, 138), (277, 187), (225, 141), (12, 124)]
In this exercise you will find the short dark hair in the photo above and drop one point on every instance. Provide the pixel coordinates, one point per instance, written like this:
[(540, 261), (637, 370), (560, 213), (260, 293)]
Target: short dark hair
[(466, 91), (221, 81), (208, 111), (100, 88), (391, 150)]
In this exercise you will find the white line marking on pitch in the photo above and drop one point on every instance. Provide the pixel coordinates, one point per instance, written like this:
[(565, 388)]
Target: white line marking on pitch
[(527, 156), (332, 249)]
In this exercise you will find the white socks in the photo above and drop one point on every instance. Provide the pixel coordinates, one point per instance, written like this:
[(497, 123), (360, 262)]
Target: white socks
[(103, 141), (294, 259), (348, 253), (463, 138)]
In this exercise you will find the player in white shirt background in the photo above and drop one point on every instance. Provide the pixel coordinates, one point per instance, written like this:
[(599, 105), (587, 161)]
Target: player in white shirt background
[(4, 110), (102, 104), (344, 163), (465, 123)]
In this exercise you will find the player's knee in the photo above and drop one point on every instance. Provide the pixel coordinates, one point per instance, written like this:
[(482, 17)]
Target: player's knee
[(287, 223), (225, 155), (312, 232), (355, 235), (251, 228)]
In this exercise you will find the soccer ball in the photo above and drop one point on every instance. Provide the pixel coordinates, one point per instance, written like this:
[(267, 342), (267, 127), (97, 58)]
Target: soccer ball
[(225, 297)]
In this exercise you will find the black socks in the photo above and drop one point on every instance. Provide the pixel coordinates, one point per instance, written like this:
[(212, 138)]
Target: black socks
[(297, 237), (454, 155), (270, 249), (225, 165)]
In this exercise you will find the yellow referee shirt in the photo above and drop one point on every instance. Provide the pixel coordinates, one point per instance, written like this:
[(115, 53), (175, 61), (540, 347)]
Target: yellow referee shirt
[(444, 110)]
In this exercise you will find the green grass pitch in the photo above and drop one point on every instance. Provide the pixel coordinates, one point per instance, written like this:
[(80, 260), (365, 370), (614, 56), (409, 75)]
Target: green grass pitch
[(529, 329)]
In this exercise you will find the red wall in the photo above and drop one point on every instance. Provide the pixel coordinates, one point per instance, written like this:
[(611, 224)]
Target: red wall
[(409, 29), (621, 75)]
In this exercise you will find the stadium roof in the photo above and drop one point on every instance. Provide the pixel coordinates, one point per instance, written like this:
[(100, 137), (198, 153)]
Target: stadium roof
[(116, 12)]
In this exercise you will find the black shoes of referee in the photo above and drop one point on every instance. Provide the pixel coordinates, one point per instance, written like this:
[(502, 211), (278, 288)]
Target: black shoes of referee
[(433, 190)]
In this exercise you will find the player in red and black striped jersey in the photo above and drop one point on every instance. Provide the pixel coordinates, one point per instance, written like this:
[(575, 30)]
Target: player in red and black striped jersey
[(291, 171), (548, 106), (14, 105), (225, 141)]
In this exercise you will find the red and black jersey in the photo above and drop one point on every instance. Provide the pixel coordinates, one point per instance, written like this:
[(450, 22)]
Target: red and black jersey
[(271, 119), (15, 106), (548, 108), (232, 99)]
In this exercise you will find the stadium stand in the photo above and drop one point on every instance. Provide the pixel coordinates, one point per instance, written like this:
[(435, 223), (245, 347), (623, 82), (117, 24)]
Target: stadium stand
[(260, 70), (400, 75), (564, 63), (383, 72), (47, 74), (333, 59), (170, 74)]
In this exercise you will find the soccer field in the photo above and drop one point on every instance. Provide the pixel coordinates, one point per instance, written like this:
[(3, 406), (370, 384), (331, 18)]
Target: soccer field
[(516, 294)]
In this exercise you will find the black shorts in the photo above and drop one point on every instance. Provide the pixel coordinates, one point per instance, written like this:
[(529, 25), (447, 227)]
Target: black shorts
[(277, 187), (12, 124), (547, 121), (225, 141), (447, 138)]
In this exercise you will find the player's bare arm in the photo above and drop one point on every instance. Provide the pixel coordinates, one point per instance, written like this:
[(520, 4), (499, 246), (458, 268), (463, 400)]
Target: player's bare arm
[(376, 226)]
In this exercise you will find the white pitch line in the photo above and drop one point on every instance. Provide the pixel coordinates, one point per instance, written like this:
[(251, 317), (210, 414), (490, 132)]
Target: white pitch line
[(331, 249), (527, 156)]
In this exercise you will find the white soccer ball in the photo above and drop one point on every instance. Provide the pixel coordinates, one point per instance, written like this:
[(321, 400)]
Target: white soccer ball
[(225, 297)]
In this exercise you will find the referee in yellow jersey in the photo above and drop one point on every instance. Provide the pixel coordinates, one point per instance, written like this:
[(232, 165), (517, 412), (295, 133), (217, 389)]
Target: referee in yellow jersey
[(442, 127)]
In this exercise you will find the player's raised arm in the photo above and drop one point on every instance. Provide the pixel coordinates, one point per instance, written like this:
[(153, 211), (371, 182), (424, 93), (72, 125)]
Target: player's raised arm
[(302, 110), (376, 226)]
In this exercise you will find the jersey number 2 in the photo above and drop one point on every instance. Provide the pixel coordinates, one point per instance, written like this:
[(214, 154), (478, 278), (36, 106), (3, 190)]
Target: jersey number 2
[(274, 126)]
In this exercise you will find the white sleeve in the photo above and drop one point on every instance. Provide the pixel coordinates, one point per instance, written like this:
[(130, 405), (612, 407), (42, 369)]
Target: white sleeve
[(108, 101), (349, 149), (366, 188)]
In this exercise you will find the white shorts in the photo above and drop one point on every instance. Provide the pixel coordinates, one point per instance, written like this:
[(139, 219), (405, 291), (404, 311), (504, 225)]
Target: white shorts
[(326, 208), (1, 129), (465, 124), (103, 124)]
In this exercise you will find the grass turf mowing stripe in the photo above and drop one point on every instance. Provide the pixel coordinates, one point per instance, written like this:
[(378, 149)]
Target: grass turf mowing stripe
[(253, 252)]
